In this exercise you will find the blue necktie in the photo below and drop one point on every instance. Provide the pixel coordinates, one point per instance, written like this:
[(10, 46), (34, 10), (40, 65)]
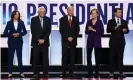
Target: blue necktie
[(41, 22)]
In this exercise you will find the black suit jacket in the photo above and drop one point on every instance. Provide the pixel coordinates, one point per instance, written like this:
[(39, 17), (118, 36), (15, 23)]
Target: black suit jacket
[(38, 32), (117, 35), (66, 31)]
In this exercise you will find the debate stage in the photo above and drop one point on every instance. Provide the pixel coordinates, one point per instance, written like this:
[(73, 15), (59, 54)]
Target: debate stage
[(82, 75), (55, 10), (68, 79)]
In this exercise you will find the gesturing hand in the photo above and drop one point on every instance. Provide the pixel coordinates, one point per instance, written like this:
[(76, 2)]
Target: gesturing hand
[(124, 30), (91, 29)]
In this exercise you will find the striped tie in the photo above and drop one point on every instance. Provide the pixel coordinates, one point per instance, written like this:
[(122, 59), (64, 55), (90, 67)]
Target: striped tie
[(41, 22)]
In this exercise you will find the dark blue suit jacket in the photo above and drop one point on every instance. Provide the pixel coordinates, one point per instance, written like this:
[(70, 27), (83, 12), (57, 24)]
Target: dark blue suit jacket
[(10, 29), (94, 38)]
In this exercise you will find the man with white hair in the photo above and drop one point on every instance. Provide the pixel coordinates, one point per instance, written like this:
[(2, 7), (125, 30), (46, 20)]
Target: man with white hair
[(40, 30), (69, 30)]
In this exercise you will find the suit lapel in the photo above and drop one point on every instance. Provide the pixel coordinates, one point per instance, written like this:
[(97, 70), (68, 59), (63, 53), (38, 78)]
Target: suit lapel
[(44, 22), (114, 23), (72, 21), (91, 24), (66, 18), (121, 21), (18, 27), (97, 22)]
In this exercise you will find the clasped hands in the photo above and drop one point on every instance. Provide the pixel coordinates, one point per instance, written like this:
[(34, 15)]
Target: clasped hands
[(15, 35), (91, 29), (124, 29), (41, 41), (70, 39)]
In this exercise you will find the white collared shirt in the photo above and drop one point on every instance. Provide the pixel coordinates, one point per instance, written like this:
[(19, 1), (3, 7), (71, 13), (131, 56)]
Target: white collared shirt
[(16, 25), (69, 17), (116, 19)]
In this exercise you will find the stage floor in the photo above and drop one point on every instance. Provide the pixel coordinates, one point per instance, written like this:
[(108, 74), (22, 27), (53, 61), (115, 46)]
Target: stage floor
[(56, 76), (128, 78)]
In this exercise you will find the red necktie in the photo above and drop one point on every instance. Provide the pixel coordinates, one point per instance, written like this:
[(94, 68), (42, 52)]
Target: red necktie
[(70, 21)]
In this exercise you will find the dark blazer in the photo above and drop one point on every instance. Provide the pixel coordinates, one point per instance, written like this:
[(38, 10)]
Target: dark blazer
[(94, 38), (10, 29), (117, 36), (39, 33), (66, 31)]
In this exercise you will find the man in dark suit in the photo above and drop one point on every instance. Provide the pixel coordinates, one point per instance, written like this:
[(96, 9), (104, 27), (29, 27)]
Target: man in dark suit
[(40, 30), (69, 30), (117, 27)]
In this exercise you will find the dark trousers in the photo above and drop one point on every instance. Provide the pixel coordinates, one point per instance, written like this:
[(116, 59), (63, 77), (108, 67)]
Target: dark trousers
[(11, 51), (44, 53), (116, 52), (97, 60), (68, 56)]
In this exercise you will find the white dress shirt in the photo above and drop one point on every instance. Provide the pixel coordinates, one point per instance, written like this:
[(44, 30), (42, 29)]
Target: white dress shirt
[(118, 24), (16, 25), (69, 18), (116, 19)]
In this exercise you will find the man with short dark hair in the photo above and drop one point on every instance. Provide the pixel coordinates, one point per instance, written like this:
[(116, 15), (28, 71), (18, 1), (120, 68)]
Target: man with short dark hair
[(117, 27)]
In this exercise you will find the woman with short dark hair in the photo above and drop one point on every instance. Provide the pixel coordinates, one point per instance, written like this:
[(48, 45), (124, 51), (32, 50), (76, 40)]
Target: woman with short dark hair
[(14, 30)]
